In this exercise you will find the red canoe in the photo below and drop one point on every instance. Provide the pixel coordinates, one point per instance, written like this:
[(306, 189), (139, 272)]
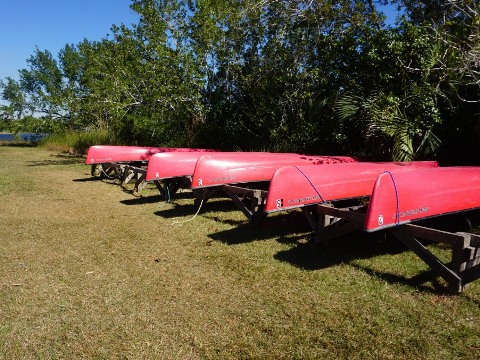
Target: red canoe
[(169, 165), (297, 186), (244, 167), (402, 197), (103, 154)]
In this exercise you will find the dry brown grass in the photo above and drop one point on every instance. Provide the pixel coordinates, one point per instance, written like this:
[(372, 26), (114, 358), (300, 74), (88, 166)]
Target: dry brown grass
[(89, 271)]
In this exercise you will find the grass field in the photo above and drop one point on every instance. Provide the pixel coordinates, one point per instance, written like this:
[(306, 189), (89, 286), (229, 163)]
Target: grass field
[(89, 271)]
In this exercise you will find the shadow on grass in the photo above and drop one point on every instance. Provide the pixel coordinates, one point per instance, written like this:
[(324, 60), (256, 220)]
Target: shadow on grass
[(54, 162), (143, 200), (157, 196), (88, 179), (129, 189), (61, 159), (184, 195), (311, 256), (359, 246), (176, 210), (21, 144), (418, 281), (287, 228)]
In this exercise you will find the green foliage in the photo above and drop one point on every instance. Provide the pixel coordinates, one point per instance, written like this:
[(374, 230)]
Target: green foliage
[(411, 85), (408, 121), (77, 142), (30, 124), (12, 93)]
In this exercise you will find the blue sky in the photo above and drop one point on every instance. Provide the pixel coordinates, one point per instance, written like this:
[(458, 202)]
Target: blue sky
[(50, 24)]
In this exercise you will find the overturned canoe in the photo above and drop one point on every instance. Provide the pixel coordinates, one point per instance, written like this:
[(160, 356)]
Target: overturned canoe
[(170, 165), (236, 168), (102, 154), (402, 197), (297, 186)]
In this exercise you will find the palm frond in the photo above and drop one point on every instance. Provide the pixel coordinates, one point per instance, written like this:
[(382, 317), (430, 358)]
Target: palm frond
[(430, 143), (403, 146), (347, 106)]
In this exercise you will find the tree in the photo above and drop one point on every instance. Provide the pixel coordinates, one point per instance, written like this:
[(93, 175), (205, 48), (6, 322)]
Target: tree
[(413, 81), (13, 95), (276, 67), (43, 85), (43, 90), (308, 76)]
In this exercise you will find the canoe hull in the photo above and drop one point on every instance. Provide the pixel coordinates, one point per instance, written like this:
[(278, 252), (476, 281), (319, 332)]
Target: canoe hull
[(400, 198), (221, 169), (103, 154), (169, 165), (293, 187)]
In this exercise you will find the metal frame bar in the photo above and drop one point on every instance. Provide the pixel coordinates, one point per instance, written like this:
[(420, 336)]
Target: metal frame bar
[(463, 268), (124, 172), (250, 201)]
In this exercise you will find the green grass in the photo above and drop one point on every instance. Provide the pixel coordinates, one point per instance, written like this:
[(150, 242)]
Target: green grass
[(89, 271)]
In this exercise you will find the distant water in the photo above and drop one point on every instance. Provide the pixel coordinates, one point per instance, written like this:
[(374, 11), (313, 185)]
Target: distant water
[(22, 137)]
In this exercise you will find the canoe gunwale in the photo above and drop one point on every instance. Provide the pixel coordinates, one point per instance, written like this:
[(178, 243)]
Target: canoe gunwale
[(296, 186), (407, 222), (233, 184), (303, 205)]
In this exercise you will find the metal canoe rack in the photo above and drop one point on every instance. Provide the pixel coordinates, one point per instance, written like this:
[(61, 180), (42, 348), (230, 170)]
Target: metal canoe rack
[(123, 172), (330, 222), (249, 198), (169, 187)]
